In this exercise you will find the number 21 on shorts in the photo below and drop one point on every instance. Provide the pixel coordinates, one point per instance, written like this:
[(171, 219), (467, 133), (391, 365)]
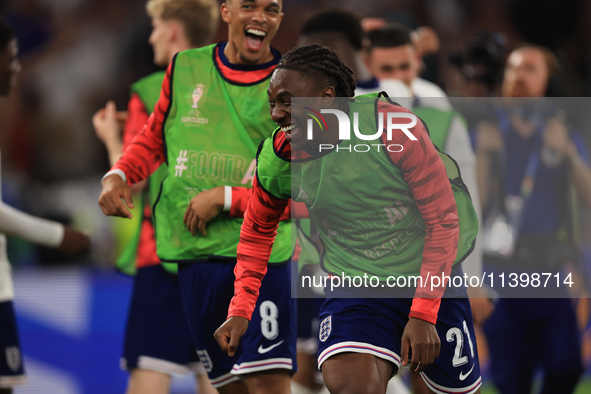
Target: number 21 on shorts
[(456, 334)]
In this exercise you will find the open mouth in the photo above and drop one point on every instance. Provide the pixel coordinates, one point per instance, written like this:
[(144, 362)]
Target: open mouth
[(291, 130), (254, 38)]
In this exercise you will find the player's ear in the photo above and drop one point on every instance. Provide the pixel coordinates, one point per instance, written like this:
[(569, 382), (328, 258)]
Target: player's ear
[(225, 10), (175, 30), (328, 92), (280, 10), (419, 57), (328, 96)]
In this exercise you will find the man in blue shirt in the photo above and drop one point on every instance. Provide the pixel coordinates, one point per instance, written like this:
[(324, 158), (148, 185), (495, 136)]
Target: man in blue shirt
[(536, 160)]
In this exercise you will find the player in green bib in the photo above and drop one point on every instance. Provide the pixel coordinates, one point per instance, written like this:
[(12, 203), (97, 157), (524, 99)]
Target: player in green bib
[(392, 53), (206, 127), (158, 341), (397, 209)]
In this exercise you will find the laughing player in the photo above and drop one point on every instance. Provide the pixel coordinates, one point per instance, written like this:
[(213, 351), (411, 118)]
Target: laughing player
[(158, 342), (206, 126), (363, 341)]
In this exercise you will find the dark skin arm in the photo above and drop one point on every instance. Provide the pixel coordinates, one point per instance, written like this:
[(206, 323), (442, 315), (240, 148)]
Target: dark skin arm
[(75, 243), (420, 336), (202, 208), (229, 334)]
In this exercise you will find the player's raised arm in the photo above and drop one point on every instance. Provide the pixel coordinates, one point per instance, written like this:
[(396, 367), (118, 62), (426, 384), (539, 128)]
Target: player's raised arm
[(259, 229), (143, 156), (108, 123)]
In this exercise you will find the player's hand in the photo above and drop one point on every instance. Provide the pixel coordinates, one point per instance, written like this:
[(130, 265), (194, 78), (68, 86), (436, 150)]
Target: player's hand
[(556, 138), (106, 123), (420, 336), (121, 119), (481, 304), (202, 208), (426, 40), (229, 334), (115, 189), (74, 243)]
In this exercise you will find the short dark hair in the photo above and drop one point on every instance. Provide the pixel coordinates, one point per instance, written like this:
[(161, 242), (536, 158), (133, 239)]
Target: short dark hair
[(337, 20), (6, 34), (320, 63), (389, 36)]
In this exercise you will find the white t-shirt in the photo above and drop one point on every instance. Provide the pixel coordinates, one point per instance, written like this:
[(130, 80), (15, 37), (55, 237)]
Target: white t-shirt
[(19, 224), (396, 90)]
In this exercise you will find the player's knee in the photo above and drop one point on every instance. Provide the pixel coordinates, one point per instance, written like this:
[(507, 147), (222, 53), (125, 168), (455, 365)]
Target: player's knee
[(351, 373), (238, 387), (143, 381), (269, 382), (204, 385), (354, 386)]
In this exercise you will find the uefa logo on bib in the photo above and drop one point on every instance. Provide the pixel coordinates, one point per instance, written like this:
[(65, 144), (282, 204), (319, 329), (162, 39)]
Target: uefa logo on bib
[(198, 92), (325, 329), (195, 98)]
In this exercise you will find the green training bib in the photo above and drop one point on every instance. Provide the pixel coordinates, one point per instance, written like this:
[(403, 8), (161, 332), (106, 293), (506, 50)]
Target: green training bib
[(211, 131), (148, 90), (368, 220)]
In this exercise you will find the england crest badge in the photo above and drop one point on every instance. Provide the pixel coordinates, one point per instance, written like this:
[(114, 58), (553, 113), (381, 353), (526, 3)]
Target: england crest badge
[(205, 360), (325, 328), (13, 358)]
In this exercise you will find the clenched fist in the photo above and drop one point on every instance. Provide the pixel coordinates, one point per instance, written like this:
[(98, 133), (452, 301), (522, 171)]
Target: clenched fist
[(115, 190), (229, 334), (74, 243)]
